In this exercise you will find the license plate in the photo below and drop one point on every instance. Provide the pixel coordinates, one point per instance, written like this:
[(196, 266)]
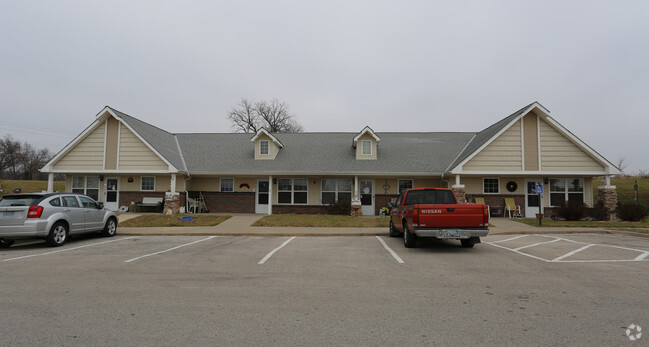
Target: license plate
[(450, 233), (7, 214)]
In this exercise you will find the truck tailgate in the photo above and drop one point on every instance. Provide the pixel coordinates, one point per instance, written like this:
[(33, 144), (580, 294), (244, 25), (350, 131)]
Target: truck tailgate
[(451, 216)]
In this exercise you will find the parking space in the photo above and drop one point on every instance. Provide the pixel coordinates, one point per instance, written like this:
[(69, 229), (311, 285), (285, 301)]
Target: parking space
[(575, 248), (314, 290)]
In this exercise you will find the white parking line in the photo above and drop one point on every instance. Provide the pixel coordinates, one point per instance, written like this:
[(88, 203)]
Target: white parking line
[(68, 249), (509, 239), (642, 256), (169, 250), (569, 254), (275, 250), (536, 244), (394, 254)]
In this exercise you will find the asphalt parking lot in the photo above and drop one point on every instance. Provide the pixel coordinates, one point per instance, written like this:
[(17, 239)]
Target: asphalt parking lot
[(577, 289)]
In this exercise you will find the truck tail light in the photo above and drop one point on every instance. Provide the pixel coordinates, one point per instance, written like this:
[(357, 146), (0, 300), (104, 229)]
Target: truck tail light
[(415, 217), (35, 212), (485, 216)]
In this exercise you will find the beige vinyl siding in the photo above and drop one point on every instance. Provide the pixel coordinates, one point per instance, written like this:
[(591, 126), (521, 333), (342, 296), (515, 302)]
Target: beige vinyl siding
[(504, 153), (359, 148), (531, 142), (134, 154), (162, 183), (213, 183), (112, 143), (87, 154), (273, 148), (560, 154)]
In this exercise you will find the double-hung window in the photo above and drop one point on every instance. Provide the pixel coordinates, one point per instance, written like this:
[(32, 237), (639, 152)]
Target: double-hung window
[(566, 189), (491, 185), (264, 147), (87, 185), (292, 191), (336, 190), (404, 184), (148, 183), (227, 184), (366, 147)]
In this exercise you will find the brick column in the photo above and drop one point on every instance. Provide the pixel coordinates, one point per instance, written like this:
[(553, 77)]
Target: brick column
[(607, 195), (172, 203), (460, 193)]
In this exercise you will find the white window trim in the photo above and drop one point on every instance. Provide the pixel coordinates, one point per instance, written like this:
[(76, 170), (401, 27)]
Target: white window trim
[(337, 190), (363, 142), (293, 191), (85, 185), (566, 191), (490, 178), (221, 184), (267, 147), (147, 190)]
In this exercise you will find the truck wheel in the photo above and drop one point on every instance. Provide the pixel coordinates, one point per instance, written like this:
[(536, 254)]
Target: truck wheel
[(409, 238), (393, 231), (468, 243)]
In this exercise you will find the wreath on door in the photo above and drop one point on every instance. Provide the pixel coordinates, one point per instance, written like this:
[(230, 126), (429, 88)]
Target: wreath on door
[(512, 186)]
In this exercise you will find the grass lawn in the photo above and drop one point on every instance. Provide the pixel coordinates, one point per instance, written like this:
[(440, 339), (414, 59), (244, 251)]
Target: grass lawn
[(625, 191), (165, 220), (321, 220), (591, 224), (8, 186)]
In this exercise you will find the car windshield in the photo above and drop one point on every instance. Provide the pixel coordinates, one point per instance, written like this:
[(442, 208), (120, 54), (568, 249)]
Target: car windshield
[(429, 196), (19, 200)]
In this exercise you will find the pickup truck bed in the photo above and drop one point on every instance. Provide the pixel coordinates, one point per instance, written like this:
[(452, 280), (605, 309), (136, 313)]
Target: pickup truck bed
[(434, 212)]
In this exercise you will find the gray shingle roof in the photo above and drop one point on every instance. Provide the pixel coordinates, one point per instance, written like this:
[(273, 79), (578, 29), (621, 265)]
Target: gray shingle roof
[(317, 153)]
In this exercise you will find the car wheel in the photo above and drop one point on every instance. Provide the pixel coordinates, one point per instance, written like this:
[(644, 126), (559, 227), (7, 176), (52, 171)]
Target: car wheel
[(58, 235), (6, 243), (467, 243), (409, 238), (110, 229), (393, 232)]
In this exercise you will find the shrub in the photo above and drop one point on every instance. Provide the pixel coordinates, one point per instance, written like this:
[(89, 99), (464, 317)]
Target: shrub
[(598, 212), (632, 212), (341, 207), (572, 210)]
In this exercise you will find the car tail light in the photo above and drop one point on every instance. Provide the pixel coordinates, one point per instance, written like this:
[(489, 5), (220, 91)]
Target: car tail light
[(35, 212), (485, 216), (415, 217)]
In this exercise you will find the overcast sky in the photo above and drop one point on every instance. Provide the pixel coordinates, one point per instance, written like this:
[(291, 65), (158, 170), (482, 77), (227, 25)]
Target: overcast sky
[(340, 65)]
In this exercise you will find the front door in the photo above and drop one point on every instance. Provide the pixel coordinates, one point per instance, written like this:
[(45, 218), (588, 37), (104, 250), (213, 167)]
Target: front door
[(367, 197), (261, 198), (531, 199), (111, 193)]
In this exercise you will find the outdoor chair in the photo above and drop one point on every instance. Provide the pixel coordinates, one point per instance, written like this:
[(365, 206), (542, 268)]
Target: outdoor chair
[(512, 208), (481, 201)]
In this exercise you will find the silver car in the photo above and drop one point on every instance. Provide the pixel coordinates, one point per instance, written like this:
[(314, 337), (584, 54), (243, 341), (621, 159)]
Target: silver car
[(52, 216)]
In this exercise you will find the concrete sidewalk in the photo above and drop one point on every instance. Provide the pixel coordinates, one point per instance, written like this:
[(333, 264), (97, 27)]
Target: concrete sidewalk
[(240, 225)]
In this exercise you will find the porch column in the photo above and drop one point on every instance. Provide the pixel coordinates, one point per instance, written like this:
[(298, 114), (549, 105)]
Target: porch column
[(459, 190), (173, 183), (270, 194), (50, 183), (607, 195)]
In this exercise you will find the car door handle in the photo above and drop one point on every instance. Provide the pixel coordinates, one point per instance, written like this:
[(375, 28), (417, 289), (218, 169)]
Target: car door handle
[(450, 209), (67, 210)]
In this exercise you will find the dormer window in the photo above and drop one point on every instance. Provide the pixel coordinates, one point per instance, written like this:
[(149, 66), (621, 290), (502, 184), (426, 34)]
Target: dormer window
[(366, 147), (263, 147), (267, 146)]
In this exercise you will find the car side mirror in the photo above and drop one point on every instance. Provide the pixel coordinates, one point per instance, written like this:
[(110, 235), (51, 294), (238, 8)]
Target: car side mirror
[(100, 205)]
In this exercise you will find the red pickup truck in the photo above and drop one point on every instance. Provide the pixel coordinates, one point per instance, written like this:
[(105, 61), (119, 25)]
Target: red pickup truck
[(434, 212)]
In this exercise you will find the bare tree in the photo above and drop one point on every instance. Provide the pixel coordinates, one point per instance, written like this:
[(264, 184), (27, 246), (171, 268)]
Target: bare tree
[(622, 165), (273, 116), (32, 160), (10, 157)]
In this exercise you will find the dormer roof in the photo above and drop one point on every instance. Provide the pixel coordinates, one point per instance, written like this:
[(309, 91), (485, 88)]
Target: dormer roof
[(367, 130), (263, 131)]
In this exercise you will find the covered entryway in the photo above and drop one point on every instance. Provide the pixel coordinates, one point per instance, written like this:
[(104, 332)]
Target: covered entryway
[(367, 197), (261, 196), (532, 200), (111, 193)]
